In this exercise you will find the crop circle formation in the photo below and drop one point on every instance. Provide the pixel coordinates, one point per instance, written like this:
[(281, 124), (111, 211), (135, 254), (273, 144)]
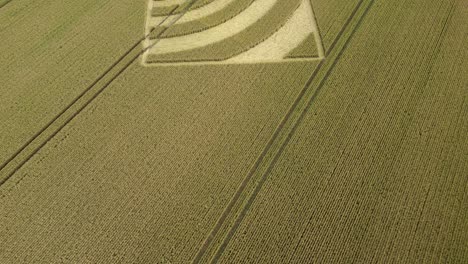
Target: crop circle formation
[(230, 31)]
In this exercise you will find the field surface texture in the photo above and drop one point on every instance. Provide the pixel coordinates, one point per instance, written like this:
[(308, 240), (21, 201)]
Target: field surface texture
[(233, 131)]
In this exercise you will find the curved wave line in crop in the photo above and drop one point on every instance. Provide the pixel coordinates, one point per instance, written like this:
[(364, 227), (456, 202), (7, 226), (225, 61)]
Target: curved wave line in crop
[(165, 10), (232, 9), (162, 10), (258, 9), (167, 2), (202, 4), (296, 32), (250, 36), (195, 16), (205, 11)]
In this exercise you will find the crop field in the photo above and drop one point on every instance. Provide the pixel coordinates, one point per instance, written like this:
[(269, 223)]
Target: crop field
[(233, 131)]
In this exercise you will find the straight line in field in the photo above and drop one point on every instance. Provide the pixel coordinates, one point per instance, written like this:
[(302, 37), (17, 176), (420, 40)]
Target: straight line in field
[(2, 4), (146, 41), (2, 166), (281, 136), (317, 36), (203, 62), (148, 46), (434, 55), (335, 41), (64, 112), (93, 91), (289, 135)]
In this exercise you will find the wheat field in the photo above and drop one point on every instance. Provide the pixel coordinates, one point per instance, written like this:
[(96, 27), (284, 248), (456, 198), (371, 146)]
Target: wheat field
[(233, 131)]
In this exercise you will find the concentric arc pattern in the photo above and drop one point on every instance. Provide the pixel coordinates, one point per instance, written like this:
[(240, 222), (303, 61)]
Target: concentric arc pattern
[(230, 31)]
